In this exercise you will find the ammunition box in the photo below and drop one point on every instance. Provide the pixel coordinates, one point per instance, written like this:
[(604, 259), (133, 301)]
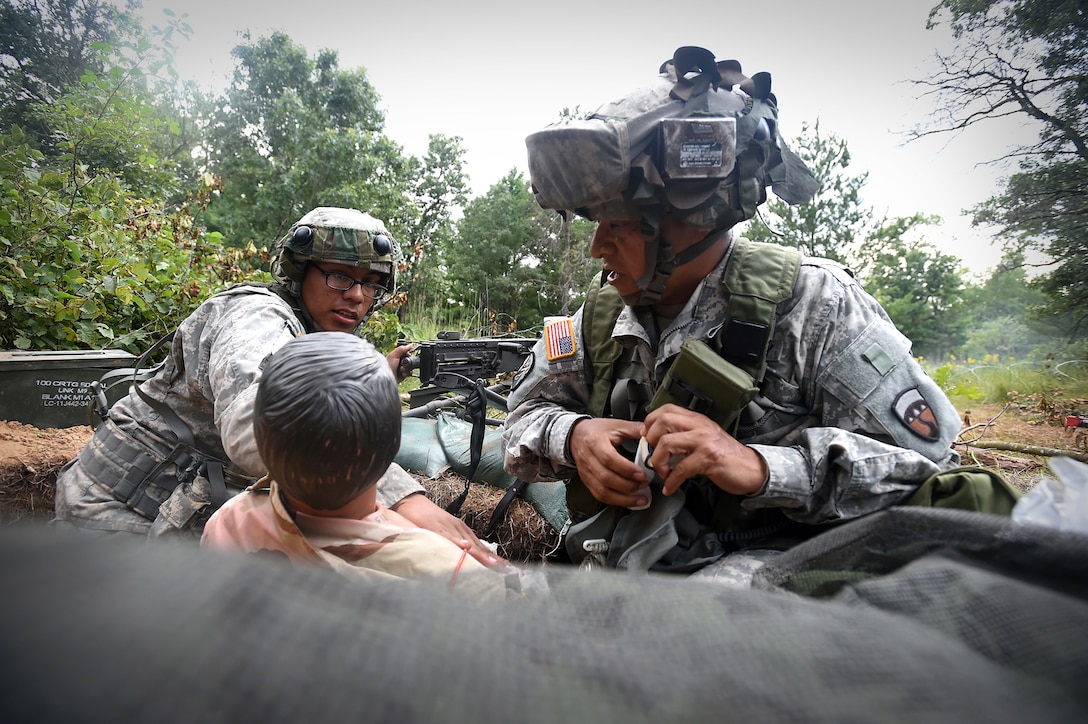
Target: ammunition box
[(50, 389)]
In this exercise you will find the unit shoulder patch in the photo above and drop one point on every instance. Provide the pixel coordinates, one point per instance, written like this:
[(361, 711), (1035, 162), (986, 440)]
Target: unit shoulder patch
[(913, 410)]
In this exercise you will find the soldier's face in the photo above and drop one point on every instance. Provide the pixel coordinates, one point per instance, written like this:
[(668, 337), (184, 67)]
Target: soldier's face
[(333, 310), (619, 244)]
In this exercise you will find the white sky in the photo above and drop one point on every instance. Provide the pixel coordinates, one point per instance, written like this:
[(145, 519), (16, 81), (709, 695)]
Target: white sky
[(493, 71)]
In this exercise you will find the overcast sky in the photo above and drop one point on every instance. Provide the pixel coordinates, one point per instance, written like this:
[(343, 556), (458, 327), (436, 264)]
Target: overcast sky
[(493, 71)]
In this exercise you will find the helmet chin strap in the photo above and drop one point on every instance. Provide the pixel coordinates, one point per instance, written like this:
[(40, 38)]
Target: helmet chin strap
[(653, 281)]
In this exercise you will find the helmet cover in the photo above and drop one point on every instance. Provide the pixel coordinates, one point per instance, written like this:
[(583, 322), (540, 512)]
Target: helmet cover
[(333, 234), (700, 143)]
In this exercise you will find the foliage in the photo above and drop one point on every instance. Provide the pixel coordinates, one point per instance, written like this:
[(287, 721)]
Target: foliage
[(46, 47), (87, 259), (1005, 315), (292, 133), (832, 224), (1027, 59), (919, 286), (567, 240), (85, 264), (439, 187), (514, 260), (383, 330), (997, 380)]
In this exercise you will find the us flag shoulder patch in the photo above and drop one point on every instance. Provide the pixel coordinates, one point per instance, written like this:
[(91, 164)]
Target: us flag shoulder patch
[(559, 338)]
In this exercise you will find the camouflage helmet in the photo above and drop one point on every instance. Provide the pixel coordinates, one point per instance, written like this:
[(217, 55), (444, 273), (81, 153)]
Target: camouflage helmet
[(343, 236), (700, 143)]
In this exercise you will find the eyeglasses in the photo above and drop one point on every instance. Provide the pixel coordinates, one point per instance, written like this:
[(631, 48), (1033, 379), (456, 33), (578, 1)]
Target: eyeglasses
[(342, 283)]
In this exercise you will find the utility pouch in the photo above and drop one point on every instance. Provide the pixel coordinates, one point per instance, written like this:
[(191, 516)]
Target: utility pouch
[(702, 380)]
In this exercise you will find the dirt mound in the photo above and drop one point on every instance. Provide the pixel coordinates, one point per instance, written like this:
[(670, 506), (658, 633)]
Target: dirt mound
[(30, 459)]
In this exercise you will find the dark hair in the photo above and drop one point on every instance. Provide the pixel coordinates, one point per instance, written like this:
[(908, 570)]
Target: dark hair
[(327, 418)]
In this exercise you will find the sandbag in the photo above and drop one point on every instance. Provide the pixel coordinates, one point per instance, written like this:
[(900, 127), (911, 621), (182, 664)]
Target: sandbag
[(433, 446)]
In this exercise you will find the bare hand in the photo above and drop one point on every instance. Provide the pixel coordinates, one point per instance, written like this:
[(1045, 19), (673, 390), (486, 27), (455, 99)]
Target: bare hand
[(698, 446), (396, 360), (609, 476), (422, 511)]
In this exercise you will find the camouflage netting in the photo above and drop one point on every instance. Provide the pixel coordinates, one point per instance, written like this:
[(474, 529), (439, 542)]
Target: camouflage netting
[(965, 628)]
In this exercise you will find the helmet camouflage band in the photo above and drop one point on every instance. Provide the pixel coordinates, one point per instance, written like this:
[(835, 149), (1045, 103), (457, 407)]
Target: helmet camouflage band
[(343, 236), (700, 144)]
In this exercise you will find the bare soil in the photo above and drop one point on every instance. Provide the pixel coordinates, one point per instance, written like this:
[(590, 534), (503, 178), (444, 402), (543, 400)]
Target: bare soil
[(30, 459), (1019, 439)]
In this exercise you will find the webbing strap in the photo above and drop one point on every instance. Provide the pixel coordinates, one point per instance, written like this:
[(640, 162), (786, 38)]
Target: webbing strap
[(599, 313), (476, 411), (213, 466), (499, 514), (758, 278)]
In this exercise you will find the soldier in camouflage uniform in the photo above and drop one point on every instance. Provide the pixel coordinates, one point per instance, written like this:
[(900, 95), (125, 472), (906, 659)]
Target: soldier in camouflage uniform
[(178, 445), (843, 423)]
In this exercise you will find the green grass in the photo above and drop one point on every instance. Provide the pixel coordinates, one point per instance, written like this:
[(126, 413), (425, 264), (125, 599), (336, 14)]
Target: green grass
[(1051, 383)]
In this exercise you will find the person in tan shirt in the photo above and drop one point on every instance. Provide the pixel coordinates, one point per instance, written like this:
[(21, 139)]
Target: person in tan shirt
[(327, 426)]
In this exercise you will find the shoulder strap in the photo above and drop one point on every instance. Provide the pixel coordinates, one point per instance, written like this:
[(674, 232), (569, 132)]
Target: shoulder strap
[(599, 314), (758, 278), (213, 466)]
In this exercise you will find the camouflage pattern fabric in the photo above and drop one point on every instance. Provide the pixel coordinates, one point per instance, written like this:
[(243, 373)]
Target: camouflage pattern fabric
[(827, 419), (209, 380), (344, 236)]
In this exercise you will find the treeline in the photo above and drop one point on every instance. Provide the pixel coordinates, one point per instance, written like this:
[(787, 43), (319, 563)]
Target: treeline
[(130, 195)]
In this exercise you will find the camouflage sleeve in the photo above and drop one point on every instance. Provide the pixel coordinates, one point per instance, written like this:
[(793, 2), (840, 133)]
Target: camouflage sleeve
[(546, 399), (880, 425), (257, 326), (396, 485), (253, 327)]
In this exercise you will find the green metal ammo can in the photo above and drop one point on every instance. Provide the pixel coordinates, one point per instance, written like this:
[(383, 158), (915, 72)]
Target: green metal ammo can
[(50, 389)]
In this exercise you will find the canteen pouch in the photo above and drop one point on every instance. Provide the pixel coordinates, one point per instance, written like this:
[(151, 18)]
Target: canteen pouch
[(701, 380)]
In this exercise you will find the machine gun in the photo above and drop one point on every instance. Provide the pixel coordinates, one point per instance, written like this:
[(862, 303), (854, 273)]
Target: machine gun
[(449, 363)]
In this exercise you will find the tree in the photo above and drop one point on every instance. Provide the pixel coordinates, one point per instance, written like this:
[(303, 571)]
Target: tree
[(829, 225), (1007, 314), (294, 132), (1028, 59), (514, 260), (90, 253), (563, 244), (440, 187), (490, 264), (44, 50), (919, 287)]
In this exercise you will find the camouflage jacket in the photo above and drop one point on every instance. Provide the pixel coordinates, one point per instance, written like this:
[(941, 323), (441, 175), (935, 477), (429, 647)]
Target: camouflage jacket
[(845, 418), (209, 380)]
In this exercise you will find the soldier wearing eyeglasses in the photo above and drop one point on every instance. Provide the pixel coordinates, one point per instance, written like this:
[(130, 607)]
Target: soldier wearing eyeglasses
[(181, 443)]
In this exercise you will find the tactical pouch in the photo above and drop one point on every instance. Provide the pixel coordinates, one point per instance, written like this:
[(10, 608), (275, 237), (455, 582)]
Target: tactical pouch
[(702, 380)]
